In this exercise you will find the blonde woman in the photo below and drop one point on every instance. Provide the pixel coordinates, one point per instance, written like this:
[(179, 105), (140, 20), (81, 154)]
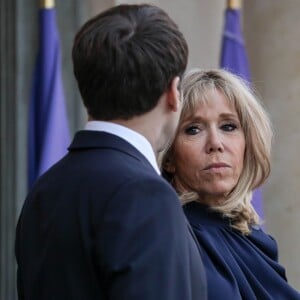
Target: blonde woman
[(220, 154)]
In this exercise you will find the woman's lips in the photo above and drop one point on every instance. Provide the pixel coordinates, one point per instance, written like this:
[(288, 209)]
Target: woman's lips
[(216, 166)]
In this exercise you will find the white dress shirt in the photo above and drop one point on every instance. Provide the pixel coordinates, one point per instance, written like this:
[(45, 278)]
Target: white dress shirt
[(137, 140)]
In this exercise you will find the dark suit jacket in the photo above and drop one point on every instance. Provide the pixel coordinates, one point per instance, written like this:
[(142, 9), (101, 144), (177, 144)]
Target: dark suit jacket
[(101, 224)]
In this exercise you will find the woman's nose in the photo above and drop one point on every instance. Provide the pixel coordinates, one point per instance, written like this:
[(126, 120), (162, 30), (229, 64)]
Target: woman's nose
[(214, 142)]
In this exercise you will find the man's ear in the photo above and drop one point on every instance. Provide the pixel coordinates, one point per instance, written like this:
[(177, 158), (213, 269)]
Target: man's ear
[(173, 94)]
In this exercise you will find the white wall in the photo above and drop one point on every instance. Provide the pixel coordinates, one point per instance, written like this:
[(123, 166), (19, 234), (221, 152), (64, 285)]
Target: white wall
[(273, 41)]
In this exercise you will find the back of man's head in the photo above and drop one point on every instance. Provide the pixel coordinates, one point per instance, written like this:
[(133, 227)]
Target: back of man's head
[(125, 58)]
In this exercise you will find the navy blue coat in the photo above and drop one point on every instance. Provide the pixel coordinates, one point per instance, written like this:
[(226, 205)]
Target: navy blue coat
[(238, 267), (102, 224)]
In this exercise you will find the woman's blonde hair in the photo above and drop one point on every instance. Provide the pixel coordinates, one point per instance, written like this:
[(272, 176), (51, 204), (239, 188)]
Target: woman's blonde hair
[(255, 122)]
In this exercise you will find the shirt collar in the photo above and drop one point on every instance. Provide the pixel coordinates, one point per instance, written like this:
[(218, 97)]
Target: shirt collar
[(132, 137)]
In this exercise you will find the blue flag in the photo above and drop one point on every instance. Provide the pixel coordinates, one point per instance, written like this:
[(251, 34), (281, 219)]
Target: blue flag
[(48, 132), (234, 59)]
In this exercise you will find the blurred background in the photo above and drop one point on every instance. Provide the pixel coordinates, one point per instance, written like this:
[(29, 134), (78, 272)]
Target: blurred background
[(271, 36)]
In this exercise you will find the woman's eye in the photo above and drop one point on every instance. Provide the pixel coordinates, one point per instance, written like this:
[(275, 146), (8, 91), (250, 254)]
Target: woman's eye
[(191, 130), (229, 127)]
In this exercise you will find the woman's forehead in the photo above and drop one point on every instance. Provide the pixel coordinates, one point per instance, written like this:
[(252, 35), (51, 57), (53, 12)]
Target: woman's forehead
[(198, 99)]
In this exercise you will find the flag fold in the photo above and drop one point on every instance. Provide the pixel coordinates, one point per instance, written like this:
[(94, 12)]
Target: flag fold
[(48, 132)]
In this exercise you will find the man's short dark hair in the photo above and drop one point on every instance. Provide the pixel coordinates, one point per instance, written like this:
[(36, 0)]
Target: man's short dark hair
[(125, 58)]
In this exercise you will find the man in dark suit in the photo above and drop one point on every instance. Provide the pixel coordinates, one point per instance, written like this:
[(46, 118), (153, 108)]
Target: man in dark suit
[(102, 223)]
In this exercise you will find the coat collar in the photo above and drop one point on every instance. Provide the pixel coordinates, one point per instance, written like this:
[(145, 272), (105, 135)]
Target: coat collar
[(88, 139)]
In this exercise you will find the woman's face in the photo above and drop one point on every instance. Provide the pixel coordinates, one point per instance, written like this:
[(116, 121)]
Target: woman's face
[(209, 150)]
